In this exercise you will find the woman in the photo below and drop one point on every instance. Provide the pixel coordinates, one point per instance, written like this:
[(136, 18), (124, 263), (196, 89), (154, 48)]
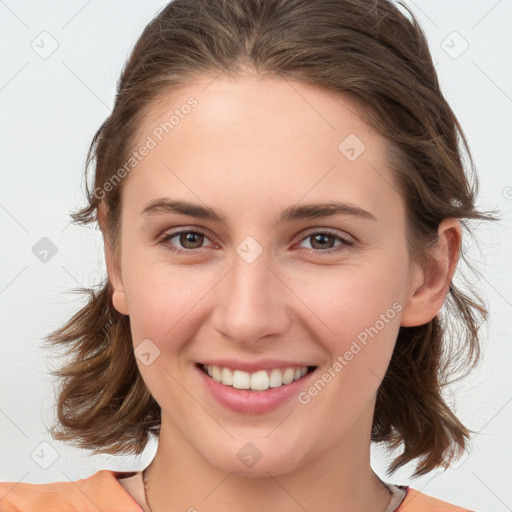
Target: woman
[(282, 198)]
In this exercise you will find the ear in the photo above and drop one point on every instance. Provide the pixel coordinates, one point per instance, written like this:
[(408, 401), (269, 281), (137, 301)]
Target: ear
[(114, 272), (430, 286)]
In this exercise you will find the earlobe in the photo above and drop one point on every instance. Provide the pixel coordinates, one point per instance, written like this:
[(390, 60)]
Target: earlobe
[(430, 286), (119, 302), (118, 295)]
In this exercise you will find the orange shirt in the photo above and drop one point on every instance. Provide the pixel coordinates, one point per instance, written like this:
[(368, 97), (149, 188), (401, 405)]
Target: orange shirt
[(102, 491)]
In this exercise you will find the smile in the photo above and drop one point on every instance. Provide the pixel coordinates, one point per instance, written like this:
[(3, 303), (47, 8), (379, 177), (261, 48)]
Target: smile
[(261, 380)]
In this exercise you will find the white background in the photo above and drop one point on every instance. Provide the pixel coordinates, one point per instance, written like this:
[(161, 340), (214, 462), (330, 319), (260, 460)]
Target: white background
[(50, 110)]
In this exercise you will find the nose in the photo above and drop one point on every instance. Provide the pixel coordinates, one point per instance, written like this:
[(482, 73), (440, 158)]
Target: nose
[(252, 302)]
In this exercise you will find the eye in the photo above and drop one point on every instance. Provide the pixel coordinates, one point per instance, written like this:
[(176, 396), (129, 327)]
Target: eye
[(322, 241), (190, 240), (193, 240)]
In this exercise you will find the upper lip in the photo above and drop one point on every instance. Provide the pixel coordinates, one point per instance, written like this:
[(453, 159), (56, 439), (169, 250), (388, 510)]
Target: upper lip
[(252, 366)]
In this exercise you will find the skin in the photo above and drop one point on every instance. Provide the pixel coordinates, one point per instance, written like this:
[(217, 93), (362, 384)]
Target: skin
[(252, 147)]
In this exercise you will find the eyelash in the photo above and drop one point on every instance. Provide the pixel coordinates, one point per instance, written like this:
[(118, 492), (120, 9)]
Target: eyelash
[(346, 243)]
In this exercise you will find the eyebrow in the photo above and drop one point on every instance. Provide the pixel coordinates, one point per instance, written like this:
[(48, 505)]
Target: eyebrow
[(307, 211)]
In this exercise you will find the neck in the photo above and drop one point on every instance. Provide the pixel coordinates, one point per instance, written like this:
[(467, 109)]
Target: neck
[(341, 476)]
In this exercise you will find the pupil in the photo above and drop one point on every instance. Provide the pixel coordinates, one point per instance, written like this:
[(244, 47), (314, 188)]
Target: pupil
[(320, 237), (189, 238)]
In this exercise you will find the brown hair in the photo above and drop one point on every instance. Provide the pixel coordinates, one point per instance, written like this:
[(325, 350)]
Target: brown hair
[(376, 54)]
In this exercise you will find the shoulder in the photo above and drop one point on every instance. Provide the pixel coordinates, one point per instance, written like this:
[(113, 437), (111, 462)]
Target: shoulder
[(101, 491), (416, 501)]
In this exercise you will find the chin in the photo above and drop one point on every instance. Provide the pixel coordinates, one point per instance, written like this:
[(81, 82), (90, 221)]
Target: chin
[(254, 459)]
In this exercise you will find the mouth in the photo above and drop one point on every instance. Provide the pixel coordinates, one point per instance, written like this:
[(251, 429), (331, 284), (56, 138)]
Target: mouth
[(258, 381)]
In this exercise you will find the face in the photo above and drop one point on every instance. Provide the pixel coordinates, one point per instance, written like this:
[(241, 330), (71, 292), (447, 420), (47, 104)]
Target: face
[(251, 269)]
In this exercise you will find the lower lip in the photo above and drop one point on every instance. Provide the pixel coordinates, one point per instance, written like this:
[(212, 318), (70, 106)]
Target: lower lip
[(253, 402)]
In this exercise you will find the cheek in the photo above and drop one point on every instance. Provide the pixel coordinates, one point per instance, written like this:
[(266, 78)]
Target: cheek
[(163, 298), (357, 315), (360, 323), (350, 299), (164, 305)]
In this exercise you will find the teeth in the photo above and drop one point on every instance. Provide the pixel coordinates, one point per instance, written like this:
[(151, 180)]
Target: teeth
[(258, 381), (216, 375), (227, 376), (288, 375), (276, 378)]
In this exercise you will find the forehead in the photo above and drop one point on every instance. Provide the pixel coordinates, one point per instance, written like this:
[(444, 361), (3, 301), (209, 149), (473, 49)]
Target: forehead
[(257, 103), (261, 137)]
